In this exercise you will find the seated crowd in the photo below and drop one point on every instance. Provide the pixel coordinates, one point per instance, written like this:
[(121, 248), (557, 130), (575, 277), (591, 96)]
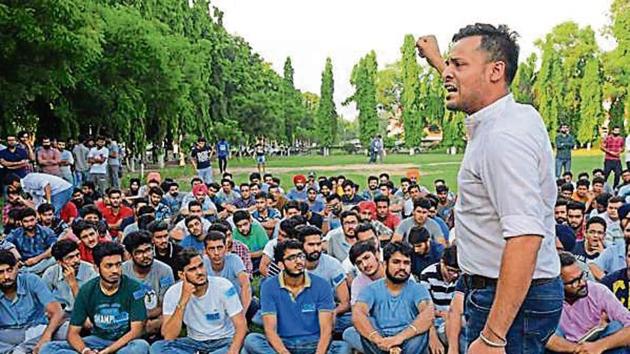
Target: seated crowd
[(321, 267)]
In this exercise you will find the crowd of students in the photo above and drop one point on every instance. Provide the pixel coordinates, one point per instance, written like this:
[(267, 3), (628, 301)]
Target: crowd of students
[(317, 266)]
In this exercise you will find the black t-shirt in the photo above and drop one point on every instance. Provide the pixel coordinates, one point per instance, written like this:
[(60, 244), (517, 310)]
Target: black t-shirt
[(580, 252), (202, 156), (169, 257), (619, 283)]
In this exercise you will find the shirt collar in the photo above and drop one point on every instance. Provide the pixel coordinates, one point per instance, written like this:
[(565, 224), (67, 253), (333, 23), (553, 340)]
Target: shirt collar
[(473, 120), (307, 281)]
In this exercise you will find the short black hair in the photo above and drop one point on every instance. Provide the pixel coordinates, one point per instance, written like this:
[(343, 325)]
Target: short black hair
[(332, 196), (304, 231), (241, 215), (182, 259), (261, 195), (449, 257), (289, 225), (156, 190), (567, 187), (381, 198), (291, 204), (81, 225), (145, 220), (403, 247), (599, 180), (193, 203), (106, 249), (364, 227), (136, 239), (90, 209), (603, 199), (26, 212), (499, 42), (63, 248), (418, 234), (583, 183), (372, 178), (7, 257), (573, 205), (348, 213), (157, 225), (561, 202), (11, 178), (217, 226), (254, 175), (566, 259), (46, 207), (284, 245), (360, 248), (215, 236), (190, 218), (596, 220), (423, 203), (145, 210), (384, 174)]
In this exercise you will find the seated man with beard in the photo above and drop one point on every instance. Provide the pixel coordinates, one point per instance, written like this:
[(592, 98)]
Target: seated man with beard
[(588, 305), (394, 314)]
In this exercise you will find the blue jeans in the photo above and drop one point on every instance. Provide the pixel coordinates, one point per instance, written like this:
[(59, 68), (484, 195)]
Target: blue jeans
[(205, 174), (560, 163), (612, 328), (188, 345), (136, 346), (256, 343), (353, 338), (535, 322), (60, 199), (342, 323), (417, 344)]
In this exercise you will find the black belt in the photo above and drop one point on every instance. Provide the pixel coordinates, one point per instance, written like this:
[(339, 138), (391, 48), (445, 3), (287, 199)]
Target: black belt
[(481, 282)]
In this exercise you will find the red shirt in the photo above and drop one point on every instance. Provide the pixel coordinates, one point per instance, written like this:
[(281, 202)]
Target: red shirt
[(69, 211), (111, 218), (391, 221), (614, 144)]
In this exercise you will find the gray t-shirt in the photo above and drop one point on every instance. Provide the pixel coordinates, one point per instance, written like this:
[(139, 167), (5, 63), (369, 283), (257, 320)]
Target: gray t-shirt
[(338, 247), (330, 270), (433, 227), (154, 285), (80, 152), (53, 277), (232, 267), (113, 148)]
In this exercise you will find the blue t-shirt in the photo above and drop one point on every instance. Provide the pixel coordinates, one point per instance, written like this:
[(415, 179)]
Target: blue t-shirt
[(317, 206), (18, 155), (192, 241), (295, 194), (29, 247), (391, 314), (202, 156), (299, 317), (29, 306), (223, 148), (232, 267), (418, 262)]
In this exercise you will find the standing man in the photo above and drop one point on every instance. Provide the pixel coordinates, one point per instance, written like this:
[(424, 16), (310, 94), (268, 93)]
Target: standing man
[(81, 166), (97, 158), (14, 158), (66, 163), (505, 235), (565, 142), (259, 151), (113, 164), (200, 159), (49, 158), (613, 146), (223, 153)]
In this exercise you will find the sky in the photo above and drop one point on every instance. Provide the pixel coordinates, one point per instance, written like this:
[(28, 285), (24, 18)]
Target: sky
[(346, 30)]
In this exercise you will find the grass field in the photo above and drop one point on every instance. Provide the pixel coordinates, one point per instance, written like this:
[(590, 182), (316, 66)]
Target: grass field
[(432, 165)]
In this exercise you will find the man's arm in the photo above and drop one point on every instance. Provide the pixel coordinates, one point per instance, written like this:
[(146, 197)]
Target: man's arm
[(134, 332), (34, 260), (343, 296), (363, 325), (454, 322), (240, 331), (428, 49), (617, 340), (246, 290), (421, 324), (515, 276), (325, 331), (55, 318), (270, 322), (75, 340), (560, 345)]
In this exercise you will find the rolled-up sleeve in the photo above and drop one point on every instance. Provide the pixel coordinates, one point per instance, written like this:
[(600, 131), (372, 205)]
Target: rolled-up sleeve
[(513, 186)]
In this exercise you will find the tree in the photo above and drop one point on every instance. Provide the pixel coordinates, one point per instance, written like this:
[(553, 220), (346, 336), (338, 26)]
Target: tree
[(591, 111), (410, 102), (523, 84), (363, 78), (326, 112)]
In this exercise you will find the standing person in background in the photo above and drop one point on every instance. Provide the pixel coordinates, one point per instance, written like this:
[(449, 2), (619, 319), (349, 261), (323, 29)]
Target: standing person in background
[(612, 146), (14, 158), (113, 164), (200, 159), (565, 142), (97, 158), (223, 153), (381, 148), (259, 152), (505, 235), (627, 146), (81, 166), (27, 142), (48, 158), (66, 163)]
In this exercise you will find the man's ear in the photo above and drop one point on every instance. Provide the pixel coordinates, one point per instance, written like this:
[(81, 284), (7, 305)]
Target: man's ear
[(497, 71)]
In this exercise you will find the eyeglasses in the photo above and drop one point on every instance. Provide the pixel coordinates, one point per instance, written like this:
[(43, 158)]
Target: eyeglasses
[(292, 258), (576, 282), (453, 270)]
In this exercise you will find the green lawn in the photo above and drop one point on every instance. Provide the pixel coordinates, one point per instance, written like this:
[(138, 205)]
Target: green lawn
[(432, 165)]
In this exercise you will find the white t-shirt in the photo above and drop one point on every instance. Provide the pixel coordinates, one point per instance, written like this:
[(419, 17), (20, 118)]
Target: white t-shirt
[(628, 148), (207, 317), (99, 168)]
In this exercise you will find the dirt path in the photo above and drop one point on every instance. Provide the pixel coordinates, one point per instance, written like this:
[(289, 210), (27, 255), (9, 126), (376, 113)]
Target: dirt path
[(375, 168)]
